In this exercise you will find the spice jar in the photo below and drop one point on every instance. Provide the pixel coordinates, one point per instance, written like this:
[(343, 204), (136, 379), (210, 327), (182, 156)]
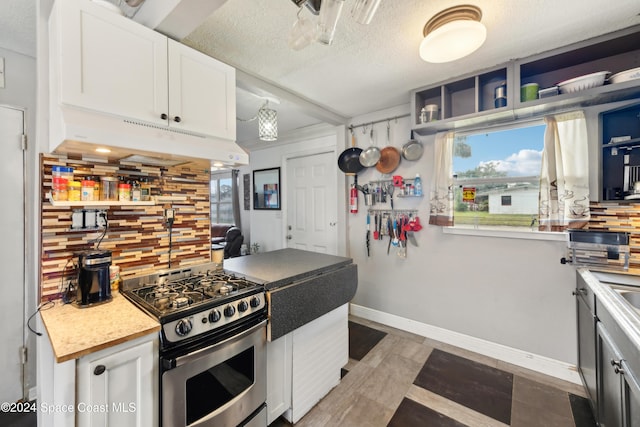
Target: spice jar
[(59, 188), (136, 194), (109, 188), (124, 192), (87, 190), (145, 189), (74, 189)]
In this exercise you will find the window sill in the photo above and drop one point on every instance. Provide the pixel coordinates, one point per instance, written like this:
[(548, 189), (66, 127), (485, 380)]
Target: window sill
[(507, 234)]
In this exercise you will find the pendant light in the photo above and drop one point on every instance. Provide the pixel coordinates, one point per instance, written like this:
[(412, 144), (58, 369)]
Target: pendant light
[(453, 34), (267, 123)]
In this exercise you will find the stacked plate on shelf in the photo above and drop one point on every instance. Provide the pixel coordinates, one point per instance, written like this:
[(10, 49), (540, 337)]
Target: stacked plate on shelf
[(587, 81)]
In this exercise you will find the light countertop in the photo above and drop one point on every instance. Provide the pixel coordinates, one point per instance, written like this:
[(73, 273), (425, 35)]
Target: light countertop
[(76, 332)]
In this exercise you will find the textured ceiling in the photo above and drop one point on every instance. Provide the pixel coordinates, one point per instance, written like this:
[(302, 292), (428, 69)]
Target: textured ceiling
[(371, 67), (368, 67), (18, 26)]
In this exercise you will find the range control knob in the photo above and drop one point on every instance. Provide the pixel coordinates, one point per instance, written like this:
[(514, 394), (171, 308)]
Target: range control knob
[(243, 306), (229, 311), (254, 302), (214, 316), (183, 327)]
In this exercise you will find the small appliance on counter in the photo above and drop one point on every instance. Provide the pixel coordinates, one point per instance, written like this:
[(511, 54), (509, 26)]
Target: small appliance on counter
[(93, 286), (599, 248)]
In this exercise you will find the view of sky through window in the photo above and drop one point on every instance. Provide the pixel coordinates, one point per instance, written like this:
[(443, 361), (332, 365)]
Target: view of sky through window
[(515, 152)]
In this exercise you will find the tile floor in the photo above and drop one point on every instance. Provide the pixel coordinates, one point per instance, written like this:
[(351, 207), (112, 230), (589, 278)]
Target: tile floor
[(399, 379)]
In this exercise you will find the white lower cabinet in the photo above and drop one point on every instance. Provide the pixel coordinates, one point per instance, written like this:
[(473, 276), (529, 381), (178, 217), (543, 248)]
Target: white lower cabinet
[(278, 377), (304, 365), (118, 386)]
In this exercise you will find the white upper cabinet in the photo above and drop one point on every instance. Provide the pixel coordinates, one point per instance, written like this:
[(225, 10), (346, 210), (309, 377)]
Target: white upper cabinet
[(108, 63), (202, 92)]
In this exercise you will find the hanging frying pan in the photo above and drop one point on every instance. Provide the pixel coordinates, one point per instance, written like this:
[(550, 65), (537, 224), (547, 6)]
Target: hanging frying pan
[(413, 149), (349, 160), (370, 156), (389, 157)]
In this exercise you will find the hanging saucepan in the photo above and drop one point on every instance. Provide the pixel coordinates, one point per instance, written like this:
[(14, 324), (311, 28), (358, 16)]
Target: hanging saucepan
[(349, 160), (413, 149), (389, 157), (371, 155)]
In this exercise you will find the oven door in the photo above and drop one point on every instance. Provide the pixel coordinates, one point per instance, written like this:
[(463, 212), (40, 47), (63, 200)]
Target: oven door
[(219, 385)]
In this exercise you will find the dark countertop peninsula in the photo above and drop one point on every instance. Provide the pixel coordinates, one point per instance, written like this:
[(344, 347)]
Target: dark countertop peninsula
[(283, 266), (301, 285)]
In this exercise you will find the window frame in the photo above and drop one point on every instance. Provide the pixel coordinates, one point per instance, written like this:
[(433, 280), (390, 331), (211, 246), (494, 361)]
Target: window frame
[(518, 233), (218, 177)]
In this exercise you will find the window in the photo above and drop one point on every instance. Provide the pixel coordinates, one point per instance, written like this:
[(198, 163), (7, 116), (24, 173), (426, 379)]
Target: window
[(221, 199), (496, 177)]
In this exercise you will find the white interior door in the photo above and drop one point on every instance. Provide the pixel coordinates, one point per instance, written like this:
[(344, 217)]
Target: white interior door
[(312, 203), (12, 253)]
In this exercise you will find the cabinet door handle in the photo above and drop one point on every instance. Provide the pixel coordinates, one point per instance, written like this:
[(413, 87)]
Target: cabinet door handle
[(177, 119), (163, 116), (99, 370)]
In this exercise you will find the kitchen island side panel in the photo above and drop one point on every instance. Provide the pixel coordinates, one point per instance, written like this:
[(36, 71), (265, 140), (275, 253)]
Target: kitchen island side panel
[(302, 302)]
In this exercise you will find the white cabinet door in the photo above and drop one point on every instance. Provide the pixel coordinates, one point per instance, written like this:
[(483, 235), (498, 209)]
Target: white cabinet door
[(278, 377), (118, 386), (109, 63), (202, 97), (319, 350)]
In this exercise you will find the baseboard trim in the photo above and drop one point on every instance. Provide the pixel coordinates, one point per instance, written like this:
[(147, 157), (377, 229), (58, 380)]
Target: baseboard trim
[(545, 365)]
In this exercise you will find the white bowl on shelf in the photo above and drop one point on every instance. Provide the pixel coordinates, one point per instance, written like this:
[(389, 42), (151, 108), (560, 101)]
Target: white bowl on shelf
[(625, 76), (587, 81)]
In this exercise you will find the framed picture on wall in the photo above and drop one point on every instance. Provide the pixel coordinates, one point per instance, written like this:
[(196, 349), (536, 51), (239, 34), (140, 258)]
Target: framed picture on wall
[(266, 189)]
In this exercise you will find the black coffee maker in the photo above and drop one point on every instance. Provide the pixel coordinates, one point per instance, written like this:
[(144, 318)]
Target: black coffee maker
[(93, 278)]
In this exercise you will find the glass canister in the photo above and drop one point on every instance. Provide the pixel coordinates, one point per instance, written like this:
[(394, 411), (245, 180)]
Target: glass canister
[(74, 190), (108, 188)]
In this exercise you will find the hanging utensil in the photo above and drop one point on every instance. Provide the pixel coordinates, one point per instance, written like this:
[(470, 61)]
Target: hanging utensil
[(368, 237), (370, 156), (389, 188), (390, 234)]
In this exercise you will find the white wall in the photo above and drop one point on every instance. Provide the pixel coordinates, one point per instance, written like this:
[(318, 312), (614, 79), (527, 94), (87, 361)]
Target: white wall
[(267, 227), (508, 291)]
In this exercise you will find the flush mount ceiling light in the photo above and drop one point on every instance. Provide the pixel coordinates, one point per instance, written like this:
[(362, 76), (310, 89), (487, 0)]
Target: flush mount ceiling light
[(267, 123), (453, 34)]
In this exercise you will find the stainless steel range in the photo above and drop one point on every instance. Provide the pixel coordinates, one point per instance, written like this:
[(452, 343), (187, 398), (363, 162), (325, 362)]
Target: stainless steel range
[(212, 345)]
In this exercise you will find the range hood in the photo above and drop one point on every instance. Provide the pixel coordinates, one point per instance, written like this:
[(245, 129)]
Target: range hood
[(78, 131)]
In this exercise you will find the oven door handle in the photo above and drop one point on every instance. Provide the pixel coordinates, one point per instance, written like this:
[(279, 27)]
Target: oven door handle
[(182, 360)]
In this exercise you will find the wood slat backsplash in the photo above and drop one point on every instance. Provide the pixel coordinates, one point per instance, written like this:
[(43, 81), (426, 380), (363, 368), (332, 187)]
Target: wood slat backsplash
[(619, 217), (137, 235)]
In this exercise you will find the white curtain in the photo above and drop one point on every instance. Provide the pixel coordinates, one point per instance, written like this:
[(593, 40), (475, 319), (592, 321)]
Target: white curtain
[(564, 178), (441, 201)]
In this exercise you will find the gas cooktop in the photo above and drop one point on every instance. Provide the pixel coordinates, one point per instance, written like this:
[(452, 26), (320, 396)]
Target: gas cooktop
[(195, 300)]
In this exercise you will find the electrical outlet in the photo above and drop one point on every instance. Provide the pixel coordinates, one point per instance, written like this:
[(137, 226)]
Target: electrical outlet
[(101, 218), (169, 215)]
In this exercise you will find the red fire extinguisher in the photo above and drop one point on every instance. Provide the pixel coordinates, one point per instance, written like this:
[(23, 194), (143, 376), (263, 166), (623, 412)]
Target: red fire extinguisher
[(353, 199)]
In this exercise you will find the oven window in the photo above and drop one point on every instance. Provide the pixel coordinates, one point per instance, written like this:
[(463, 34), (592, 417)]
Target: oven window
[(211, 389)]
